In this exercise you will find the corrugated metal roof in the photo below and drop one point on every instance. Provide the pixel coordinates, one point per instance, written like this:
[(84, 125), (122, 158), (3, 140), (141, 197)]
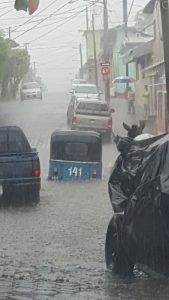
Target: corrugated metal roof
[(149, 8), (137, 52)]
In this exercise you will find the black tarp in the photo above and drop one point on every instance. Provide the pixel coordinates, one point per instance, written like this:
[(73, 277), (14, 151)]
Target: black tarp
[(138, 163), (139, 186)]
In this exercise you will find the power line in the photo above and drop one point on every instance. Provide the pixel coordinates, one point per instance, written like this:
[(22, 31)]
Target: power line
[(28, 21), (42, 20), (52, 22), (131, 7), (6, 12), (48, 32)]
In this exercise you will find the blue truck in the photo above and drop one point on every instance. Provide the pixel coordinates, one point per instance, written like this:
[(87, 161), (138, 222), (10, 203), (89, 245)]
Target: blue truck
[(19, 167)]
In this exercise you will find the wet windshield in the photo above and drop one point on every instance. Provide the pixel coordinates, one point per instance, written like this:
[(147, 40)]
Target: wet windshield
[(86, 89), (30, 85)]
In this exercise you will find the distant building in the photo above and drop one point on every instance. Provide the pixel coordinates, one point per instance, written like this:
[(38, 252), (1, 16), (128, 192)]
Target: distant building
[(150, 68), (89, 68)]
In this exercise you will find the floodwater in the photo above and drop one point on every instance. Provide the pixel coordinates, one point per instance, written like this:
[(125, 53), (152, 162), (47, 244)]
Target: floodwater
[(55, 250)]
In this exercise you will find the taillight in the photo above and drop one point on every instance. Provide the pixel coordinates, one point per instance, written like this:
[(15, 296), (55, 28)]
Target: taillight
[(55, 171), (74, 120), (94, 174), (109, 125), (36, 168)]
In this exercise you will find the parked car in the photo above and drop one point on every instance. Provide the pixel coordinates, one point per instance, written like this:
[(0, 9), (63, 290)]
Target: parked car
[(93, 115), (76, 82), (19, 166), (86, 91), (31, 90), (72, 106)]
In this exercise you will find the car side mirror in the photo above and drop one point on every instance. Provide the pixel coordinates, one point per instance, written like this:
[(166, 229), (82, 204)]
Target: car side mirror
[(112, 110), (100, 93), (71, 92), (34, 150)]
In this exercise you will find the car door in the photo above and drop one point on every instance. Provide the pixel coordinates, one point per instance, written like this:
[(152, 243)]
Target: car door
[(70, 111)]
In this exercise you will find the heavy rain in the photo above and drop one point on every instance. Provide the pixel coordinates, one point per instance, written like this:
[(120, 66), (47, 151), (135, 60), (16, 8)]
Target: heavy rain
[(83, 140)]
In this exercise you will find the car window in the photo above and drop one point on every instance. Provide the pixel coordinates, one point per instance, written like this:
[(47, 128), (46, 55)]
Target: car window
[(13, 141), (86, 89), (17, 142), (92, 108), (84, 152), (31, 85), (74, 149)]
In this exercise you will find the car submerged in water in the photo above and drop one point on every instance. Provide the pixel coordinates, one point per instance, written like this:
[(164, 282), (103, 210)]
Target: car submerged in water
[(30, 90)]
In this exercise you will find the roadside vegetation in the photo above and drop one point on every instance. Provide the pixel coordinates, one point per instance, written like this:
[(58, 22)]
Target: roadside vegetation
[(14, 65)]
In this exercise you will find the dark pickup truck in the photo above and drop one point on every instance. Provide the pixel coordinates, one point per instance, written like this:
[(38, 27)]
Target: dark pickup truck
[(19, 166)]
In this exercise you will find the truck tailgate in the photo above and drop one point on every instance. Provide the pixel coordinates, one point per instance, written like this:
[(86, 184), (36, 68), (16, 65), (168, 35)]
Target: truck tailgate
[(92, 121), (16, 166)]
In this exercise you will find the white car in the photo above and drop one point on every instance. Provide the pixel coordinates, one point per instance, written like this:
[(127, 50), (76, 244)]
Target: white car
[(86, 91), (31, 90)]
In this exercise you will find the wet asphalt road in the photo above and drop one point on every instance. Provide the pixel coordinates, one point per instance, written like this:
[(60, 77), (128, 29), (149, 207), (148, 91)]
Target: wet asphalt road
[(56, 249)]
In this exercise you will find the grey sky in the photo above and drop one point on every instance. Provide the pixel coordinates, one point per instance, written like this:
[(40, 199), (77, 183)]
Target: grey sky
[(53, 44)]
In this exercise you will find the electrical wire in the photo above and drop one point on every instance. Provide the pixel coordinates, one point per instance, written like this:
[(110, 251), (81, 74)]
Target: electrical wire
[(7, 12), (34, 21), (131, 7), (48, 32), (42, 20), (28, 21)]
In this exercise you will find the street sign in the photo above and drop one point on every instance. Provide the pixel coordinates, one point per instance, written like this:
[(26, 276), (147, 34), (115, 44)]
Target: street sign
[(105, 70), (105, 64)]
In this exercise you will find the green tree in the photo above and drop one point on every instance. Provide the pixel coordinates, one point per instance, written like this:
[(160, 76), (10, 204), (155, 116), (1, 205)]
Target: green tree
[(15, 68), (4, 56)]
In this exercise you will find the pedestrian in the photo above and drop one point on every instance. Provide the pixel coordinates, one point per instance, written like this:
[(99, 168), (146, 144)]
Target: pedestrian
[(146, 100), (131, 100)]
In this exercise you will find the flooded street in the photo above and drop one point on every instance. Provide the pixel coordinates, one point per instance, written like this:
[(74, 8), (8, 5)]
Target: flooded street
[(56, 249)]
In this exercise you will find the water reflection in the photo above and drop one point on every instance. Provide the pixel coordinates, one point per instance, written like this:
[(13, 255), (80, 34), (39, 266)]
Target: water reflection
[(140, 287)]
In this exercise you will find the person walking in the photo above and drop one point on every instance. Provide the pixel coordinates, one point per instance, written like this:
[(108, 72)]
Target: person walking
[(131, 100), (146, 100)]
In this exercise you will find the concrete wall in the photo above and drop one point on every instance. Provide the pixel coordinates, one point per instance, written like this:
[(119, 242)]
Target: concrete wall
[(118, 68)]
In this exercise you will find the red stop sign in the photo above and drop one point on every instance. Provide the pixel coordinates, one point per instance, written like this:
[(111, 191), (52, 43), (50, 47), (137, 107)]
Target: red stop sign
[(105, 70)]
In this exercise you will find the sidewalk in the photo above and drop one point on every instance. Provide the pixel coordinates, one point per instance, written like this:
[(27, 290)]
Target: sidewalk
[(121, 115)]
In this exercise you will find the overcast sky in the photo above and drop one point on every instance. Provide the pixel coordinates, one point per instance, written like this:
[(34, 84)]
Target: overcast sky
[(53, 34)]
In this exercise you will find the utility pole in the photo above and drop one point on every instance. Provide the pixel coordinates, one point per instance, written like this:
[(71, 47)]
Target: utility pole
[(165, 25), (94, 50), (87, 44), (81, 61), (9, 33), (34, 68), (26, 46), (125, 20), (87, 19), (106, 51)]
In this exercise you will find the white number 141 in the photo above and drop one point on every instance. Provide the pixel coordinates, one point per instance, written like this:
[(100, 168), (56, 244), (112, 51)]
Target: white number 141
[(74, 171)]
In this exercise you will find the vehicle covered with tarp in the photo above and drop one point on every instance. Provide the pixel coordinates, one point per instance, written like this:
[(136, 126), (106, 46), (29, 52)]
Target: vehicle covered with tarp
[(138, 233)]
